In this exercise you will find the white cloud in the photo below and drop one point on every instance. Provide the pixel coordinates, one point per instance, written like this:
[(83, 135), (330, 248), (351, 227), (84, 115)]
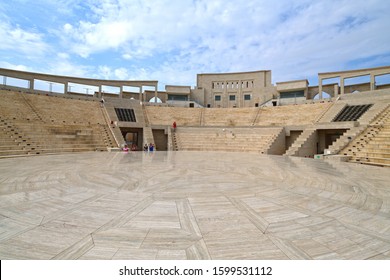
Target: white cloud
[(121, 73), (4, 64), (173, 40), (231, 36), (16, 39)]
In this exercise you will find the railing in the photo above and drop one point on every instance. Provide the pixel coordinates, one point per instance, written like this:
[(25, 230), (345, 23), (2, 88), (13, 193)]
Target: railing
[(107, 118), (258, 111), (325, 111)]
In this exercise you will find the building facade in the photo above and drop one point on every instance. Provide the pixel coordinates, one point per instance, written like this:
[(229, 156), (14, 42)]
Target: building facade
[(229, 90)]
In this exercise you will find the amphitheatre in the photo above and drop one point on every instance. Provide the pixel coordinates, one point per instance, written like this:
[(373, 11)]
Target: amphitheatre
[(252, 171)]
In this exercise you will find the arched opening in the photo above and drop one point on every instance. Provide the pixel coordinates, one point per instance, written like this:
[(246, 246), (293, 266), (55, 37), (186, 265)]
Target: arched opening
[(153, 99), (325, 95)]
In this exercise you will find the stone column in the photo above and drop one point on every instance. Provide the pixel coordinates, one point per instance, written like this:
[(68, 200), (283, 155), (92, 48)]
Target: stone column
[(240, 97), (66, 86), (155, 94), (372, 82), (225, 102), (100, 95), (336, 90), (342, 85), (121, 92), (140, 97), (320, 88), (31, 82)]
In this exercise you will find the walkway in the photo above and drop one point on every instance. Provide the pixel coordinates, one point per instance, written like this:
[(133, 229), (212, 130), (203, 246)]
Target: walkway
[(191, 205)]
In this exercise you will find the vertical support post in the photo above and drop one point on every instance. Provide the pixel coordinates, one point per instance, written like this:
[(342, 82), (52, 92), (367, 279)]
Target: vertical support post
[(66, 86), (100, 95), (225, 103), (342, 86), (140, 97), (31, 86), (240, 95), (336, 90), (320, 87), (121, 92), (372, 82), (155, 94)]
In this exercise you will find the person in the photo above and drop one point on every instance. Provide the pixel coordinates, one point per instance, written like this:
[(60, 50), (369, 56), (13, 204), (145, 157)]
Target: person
[(134, 147), (102, 102), (125, 149), (174, 126), (151, 147), (146, 148)]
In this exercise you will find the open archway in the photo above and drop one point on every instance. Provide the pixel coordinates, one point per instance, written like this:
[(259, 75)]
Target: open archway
[(325, 95), (153, 99)]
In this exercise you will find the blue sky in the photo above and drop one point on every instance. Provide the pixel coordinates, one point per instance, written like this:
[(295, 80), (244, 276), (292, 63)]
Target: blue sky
[(173, 40)]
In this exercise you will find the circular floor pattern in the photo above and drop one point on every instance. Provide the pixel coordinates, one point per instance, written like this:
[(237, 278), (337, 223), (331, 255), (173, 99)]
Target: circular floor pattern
[(192, 205)]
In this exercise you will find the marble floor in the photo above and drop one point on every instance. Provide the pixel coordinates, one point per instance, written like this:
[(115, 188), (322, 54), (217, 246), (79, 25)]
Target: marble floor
[(192, 205)]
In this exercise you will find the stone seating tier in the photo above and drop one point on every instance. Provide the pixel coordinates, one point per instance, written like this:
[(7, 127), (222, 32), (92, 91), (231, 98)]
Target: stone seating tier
[(231, 117), (35, 124), (373, 145), (213, 139)]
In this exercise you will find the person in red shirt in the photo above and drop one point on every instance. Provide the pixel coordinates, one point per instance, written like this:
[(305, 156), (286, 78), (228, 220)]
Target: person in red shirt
[(174, 126)]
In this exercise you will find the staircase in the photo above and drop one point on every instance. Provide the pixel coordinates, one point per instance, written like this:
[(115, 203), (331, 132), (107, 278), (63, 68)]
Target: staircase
[(33, 109), (303, 145), (354, 132), (11, 143), (373, 113), (331, 112), (174, 141), (344, 140), (147, 130), (373, 145), (114, 130)]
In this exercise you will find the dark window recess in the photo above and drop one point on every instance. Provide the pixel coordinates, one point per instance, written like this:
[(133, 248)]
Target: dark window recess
[(177, 97), (292, 94), (351, 113), (125, 115)]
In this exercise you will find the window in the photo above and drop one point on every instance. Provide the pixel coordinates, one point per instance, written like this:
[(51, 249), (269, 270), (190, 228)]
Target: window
[(177, 97), (125, 115), (217, 98), (247, 97), (292, 94), (232, 97)]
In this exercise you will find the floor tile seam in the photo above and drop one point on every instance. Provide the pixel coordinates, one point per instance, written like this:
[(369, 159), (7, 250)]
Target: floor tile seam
[(250, 214), (126, 216), (74, 207), (351, 205)]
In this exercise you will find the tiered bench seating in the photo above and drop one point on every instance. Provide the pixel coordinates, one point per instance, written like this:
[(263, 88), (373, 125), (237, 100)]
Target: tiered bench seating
[(373, 145), (38, 124)]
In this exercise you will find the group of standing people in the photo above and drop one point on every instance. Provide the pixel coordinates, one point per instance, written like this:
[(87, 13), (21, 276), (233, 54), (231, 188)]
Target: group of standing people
[(133, 148), (149, 147)]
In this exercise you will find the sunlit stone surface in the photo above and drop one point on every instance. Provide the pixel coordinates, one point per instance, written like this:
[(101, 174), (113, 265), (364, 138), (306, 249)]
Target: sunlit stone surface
[(192, 205)]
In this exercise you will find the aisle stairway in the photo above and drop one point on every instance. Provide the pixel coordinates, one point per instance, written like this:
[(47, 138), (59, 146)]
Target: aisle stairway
[(373, 145)]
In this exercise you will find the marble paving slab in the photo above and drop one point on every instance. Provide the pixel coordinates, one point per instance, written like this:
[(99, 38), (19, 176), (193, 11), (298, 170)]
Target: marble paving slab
[(192, 205)]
